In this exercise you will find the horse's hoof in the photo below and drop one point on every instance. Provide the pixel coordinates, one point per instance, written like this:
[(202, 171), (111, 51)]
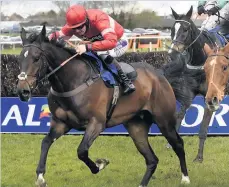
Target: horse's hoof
[(185, 180), (41, 181), (198, 159), (142, 186), (168, 146), (101, 163), (153, 177)]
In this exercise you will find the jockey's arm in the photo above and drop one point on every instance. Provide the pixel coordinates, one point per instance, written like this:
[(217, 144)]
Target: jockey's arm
[(108, 33), (210, 4), (221, 3), (201, 2), (65, 33)]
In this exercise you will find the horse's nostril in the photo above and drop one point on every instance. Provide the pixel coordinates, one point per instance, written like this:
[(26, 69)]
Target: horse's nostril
[(25, 92), (214, 100)]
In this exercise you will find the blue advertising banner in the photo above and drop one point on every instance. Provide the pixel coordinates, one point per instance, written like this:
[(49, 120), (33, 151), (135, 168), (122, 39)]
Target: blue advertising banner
[(34, 117)]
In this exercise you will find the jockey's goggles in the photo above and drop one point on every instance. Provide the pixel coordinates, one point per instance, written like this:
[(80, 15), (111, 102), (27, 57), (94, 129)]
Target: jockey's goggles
[(79, 28)]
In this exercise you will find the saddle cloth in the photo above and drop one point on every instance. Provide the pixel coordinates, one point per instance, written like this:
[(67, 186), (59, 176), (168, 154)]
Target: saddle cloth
[(223, 40), (108, 72)]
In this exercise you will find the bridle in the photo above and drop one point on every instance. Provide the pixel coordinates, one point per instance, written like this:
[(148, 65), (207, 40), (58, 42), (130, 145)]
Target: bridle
[(185, 50), (23, 76), (211, 82), (184, 21), (177, 41)]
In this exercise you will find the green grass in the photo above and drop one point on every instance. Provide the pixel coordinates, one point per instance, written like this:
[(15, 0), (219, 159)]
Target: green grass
[(15, 51), (20, 154), (10, 34)]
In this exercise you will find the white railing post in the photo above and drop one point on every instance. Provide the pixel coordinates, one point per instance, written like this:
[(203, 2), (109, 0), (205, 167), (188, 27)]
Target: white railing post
[(134, 46), (164, 38), (164, 44)]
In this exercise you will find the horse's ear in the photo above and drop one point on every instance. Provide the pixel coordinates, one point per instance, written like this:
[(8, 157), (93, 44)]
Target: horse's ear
[(207, 49), (189, 13), (23, 35), (42, 34), (226, 49), (175, 15)]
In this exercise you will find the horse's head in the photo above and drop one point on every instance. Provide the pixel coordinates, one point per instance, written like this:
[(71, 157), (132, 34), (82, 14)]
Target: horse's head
[(182, 31), (217, 75), (31, 63)]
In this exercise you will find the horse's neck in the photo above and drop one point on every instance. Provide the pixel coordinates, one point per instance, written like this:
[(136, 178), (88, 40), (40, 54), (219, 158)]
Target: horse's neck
[(198, 54), (70, 76)]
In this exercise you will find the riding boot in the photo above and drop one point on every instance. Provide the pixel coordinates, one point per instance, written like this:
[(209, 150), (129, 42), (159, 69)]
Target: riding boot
[(127, 84)]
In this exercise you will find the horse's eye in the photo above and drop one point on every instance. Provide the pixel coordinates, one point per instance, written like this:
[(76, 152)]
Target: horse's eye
[(185, 29), (225, 68), (36, 58)]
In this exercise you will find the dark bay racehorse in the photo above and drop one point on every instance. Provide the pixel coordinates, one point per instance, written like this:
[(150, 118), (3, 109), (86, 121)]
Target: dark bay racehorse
[(153, 101), (216, 68), (188, 47)]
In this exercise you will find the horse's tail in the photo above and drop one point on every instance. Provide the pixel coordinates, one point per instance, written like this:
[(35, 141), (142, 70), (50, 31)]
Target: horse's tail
[(179, 89)]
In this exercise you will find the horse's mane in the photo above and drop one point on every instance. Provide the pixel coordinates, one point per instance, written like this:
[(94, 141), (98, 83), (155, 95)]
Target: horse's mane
[(61, 44), (58, 43)]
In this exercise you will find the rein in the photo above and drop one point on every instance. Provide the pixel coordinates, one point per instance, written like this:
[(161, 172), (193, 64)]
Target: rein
[(23, 76), (57, 68)]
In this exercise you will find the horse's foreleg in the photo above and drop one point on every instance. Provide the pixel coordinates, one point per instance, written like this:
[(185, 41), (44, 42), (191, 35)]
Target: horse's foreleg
[(203, 134), (138, 131), (167, 128), (180, 116), (57, 130), (94, 128)]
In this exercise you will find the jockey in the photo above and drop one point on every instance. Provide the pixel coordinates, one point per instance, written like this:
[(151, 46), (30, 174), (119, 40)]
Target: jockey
[(212, 7), (100, 33)]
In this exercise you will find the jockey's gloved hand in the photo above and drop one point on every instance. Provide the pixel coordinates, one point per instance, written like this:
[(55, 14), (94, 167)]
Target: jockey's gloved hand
[(81, 49), (213, 10), (200, 10), (54, 36), (61, 42)]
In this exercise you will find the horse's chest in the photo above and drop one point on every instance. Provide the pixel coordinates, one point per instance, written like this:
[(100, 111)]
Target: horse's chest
[(71, 111), (70, 118)]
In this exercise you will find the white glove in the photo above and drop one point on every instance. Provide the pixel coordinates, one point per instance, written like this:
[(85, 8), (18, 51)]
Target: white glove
[(81, 48)]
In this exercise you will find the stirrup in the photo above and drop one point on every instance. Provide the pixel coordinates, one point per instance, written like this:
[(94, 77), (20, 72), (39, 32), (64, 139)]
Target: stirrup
[(128, 89)]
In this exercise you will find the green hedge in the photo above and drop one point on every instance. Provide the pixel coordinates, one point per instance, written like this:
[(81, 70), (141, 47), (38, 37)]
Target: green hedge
[(10, 69)]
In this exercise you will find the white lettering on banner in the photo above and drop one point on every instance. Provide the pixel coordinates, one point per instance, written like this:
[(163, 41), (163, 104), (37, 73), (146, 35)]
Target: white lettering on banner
[(13, 113), (219, 116), (199, 117), (29, 119)]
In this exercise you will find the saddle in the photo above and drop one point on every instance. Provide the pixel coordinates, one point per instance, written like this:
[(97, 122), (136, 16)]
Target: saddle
[(108, 72)]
